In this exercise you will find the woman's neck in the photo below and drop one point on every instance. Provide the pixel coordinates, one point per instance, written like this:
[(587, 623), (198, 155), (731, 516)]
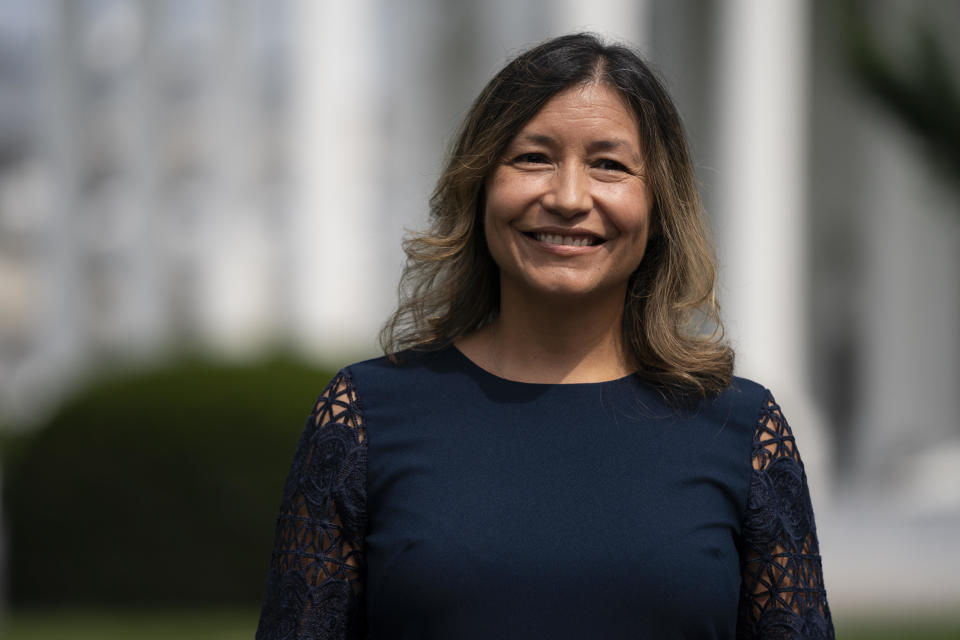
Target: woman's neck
[(566, 341)]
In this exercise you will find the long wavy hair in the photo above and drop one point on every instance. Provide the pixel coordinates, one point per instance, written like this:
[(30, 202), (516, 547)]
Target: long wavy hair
[(450, 285)]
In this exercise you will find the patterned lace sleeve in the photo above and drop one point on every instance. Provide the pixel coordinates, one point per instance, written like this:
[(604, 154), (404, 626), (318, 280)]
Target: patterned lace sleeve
[(782, 594), (314, 587)]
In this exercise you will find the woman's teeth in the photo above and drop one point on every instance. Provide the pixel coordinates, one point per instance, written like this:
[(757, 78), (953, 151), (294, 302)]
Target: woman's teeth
[(573, 241)]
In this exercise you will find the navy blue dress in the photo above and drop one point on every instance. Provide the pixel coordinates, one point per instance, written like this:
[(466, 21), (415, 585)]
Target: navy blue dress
[(432, 499)]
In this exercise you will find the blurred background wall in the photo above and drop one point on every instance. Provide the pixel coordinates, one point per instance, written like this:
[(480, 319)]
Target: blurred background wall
[(233, 177)]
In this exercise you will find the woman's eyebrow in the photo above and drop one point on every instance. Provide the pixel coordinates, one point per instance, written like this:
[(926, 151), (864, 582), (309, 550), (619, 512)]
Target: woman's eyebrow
[(536, 138), (616, 144)]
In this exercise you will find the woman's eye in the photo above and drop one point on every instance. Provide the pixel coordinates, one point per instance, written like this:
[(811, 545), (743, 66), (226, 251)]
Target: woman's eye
[(611, 165), (534, 158)]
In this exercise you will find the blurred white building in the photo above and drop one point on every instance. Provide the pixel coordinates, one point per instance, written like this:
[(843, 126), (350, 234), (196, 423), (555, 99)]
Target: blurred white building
[(143, 186), (231, 175)]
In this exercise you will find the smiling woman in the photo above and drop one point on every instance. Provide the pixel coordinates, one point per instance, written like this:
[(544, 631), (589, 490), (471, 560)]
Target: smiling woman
[(552, 446), (566, 220), (553, 112)]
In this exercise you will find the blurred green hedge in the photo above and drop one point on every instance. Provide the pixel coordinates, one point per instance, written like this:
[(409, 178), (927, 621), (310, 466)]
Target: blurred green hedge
[(158, 488)]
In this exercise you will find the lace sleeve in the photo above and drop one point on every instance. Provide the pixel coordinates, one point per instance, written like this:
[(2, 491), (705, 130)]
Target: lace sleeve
[(782, 594), (314, 586)]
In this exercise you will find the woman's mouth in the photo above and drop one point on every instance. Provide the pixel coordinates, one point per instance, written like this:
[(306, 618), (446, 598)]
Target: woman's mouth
[(570, 241)]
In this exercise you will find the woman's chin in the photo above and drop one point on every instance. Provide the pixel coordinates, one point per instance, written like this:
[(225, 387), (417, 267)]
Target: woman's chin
[(569, 290)]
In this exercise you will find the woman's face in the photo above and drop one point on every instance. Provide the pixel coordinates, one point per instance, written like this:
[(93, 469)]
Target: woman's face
[(568, 208)]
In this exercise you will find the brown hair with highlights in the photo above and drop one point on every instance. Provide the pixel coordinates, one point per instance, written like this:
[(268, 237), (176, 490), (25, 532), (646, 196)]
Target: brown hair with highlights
[(450, 286)]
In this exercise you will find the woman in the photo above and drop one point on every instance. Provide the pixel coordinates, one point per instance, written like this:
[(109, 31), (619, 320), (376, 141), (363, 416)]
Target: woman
[(552, 447)]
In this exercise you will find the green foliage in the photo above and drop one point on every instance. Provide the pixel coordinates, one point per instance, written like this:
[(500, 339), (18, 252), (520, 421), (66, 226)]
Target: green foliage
[(72, 624), (157, 488), (935, 625)]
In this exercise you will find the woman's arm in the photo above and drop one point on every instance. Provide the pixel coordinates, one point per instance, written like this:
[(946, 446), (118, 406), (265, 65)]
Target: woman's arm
[(315, 584), (782, 594)]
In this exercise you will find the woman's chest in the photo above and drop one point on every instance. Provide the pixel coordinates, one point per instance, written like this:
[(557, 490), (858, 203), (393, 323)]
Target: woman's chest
[(550, 522)]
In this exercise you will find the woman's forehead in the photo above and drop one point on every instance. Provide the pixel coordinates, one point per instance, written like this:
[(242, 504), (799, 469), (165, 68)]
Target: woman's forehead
[(596, 115)]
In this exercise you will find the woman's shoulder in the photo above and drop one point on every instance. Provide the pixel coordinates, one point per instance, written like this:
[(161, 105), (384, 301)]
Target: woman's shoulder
[(406, 369), (397, 364), (746, 391), (741, 403)]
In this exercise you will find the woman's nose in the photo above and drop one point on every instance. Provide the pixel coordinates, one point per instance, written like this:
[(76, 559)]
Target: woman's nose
[(569, 192)]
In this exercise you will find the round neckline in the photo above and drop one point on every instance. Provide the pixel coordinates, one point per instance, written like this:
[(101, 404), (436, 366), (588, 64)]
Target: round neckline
[(568, 385)]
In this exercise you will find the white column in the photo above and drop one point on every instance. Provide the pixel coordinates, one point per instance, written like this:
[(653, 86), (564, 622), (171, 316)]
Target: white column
[(335, 284), (761, 201), (906, 427), (762, 181), (235, 286)]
